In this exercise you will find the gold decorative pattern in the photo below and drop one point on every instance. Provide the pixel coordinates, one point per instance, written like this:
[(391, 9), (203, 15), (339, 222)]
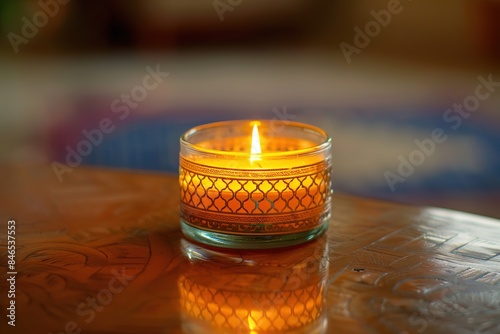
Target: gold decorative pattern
[(252, 202), (254, 173), (255, 224)]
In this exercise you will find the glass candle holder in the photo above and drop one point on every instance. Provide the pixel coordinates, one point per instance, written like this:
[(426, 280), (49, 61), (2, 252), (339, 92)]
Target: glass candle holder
[(254, 184)]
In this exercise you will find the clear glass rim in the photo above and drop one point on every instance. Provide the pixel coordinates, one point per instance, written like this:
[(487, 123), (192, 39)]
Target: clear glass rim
[(318, 148)]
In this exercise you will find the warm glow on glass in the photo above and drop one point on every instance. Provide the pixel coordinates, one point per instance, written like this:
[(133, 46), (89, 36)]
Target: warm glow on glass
[(254, 178), (255, 150)]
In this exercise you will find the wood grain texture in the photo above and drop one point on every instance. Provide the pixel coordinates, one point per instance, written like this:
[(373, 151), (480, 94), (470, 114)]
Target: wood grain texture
[(102, 251)]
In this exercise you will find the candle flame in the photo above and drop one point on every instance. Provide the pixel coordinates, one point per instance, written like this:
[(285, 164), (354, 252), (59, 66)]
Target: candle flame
[(255, 150)]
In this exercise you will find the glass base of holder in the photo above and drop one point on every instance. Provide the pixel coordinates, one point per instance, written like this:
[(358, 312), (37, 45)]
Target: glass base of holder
[(251, 241)]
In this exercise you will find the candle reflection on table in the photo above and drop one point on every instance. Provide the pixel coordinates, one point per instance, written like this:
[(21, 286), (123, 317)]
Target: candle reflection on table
[(224, 291)]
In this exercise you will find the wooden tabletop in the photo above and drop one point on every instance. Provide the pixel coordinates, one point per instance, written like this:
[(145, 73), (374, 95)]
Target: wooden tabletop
[(102, 252)]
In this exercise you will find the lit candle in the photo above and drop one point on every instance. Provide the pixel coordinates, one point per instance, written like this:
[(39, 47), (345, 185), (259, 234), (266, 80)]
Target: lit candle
[(274, 188)]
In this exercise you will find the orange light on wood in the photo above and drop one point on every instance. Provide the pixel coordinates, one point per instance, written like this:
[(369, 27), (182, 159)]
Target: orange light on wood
[(249, 293), (247, 185)]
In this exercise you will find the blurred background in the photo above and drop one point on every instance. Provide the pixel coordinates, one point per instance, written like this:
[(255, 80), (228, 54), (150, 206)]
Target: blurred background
[(376, 74)]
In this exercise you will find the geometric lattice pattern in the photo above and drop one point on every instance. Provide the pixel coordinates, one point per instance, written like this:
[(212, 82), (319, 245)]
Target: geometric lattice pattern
[(208, 196), (253, 196), (268, 312)]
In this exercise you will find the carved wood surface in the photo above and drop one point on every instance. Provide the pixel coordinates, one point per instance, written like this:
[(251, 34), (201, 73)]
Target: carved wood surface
[(102, 252)]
